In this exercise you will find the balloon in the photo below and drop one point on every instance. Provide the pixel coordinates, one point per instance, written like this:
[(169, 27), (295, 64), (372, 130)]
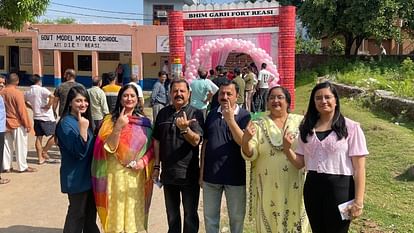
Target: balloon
[(202, 56)]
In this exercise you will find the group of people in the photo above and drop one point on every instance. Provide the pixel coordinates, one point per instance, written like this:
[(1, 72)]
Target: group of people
[(302, 167)]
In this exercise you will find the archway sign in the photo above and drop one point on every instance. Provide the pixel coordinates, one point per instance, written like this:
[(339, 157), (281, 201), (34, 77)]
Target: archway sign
[(203, 35), (204, 53)]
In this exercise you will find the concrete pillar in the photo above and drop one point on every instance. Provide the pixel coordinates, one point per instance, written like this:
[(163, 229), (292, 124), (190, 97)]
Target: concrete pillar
[(176, 36), (57, 65), (37, 58), (136, 55), (286, 47), (95, 63)]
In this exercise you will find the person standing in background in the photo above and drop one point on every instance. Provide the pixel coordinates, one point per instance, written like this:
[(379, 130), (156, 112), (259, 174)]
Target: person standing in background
[(61, 92), (111, 91), (250, 80), (201, 92), (159, 95), (18, 126), (2, 132), (119, 72), (134, 80), (263, 79), (40, 100), (98, 104), (242, 86)]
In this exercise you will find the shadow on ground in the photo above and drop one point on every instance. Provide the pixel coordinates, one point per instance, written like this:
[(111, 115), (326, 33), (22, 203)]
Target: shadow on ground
[(29, 229), (407, 176)]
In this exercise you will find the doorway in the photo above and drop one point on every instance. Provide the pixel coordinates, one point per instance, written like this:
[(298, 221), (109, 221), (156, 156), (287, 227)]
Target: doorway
[(14, 59), (66, 62)]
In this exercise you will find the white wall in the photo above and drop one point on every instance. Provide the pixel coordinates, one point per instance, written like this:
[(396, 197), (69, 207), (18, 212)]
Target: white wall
[(178, 5)]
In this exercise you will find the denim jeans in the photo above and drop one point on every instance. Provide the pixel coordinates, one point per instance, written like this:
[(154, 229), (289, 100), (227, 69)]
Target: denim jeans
[(236, 206), (190, 196)]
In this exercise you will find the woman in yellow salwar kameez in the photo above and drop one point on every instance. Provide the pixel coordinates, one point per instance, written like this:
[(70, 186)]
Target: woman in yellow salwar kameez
[(122, 165), (276, 186)]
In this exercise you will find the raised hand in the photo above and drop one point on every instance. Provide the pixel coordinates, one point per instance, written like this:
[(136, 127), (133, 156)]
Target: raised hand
[(249, 132), (82, 121), (288, 138), (228, 112), (183, 123), (122, 120)]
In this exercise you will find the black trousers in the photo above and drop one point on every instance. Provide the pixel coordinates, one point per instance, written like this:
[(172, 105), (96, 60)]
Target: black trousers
[(1, 150), (81, 214), (322, 194), (190, 195)]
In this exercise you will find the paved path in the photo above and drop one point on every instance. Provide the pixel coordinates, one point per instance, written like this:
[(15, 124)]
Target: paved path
[(32, 202)]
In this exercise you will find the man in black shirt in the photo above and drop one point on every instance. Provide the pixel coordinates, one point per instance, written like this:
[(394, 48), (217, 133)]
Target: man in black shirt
[(177, 135)]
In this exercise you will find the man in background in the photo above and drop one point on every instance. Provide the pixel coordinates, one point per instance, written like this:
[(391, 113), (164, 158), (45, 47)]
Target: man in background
[(40, 100), (159, 95), (111, 91), (241, 84), (201, 92), (98, 104), (62, 91), (18, 126)]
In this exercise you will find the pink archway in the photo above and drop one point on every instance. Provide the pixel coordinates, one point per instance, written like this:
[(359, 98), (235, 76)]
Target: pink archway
[(202, 56)]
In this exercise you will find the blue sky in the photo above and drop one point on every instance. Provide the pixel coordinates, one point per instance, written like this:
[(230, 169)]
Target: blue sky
[(132, 9)]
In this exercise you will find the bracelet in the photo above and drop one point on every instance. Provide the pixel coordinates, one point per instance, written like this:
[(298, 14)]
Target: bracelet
[(157, 167)]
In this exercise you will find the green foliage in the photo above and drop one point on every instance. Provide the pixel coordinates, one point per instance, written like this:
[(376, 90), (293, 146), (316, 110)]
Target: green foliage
[(63, 20), (336, 47), (14, 13), (354, 20), (388, 74), (407, 69), (307, 46)]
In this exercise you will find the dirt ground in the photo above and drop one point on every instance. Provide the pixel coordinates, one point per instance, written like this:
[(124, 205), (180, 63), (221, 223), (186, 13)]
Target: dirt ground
[(32, 202)]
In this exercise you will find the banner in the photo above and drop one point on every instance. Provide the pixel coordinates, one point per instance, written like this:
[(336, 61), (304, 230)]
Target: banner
[(115, 43)]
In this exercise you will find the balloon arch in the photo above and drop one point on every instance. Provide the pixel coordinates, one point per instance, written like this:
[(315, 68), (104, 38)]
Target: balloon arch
[(258, 55)]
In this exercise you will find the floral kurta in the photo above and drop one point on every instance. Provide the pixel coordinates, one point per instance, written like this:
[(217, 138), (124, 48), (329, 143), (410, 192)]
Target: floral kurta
[(276, 186)]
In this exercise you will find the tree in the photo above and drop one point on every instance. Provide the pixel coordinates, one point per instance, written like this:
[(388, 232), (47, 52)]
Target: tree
[(62, 20), (354, 20), (14, 13)]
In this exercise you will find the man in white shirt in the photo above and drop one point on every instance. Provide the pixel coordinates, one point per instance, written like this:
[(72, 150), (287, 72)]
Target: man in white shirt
[(40, 100), (264, 78)]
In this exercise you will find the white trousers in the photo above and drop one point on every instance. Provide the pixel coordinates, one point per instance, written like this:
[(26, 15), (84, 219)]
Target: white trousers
[(15, 142)]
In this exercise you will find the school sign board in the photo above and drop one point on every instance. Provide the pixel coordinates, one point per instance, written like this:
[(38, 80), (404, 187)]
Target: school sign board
[(115, 43)]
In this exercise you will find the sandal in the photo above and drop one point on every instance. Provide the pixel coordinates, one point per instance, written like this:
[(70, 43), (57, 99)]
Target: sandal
[(29, 169), (4, 180)]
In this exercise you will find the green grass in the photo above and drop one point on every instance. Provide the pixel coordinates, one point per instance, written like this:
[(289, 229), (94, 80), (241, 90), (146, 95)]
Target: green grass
[(389, 197)]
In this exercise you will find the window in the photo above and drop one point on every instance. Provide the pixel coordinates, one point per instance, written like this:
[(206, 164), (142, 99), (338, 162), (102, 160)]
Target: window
[(84, 62), (108, 56), (1, 62), (160, 14), (25, 56)]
